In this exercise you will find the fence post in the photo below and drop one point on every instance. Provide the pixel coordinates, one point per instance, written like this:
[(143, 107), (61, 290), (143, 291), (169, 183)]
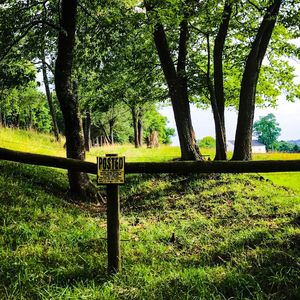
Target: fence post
[(113, 228)]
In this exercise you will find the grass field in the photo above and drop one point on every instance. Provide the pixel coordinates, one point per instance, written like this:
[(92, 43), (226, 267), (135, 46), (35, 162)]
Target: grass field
[(236, 236)]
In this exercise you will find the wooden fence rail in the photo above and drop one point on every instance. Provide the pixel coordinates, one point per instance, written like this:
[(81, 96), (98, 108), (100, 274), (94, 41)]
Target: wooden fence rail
[(113, 196), (181, 167)]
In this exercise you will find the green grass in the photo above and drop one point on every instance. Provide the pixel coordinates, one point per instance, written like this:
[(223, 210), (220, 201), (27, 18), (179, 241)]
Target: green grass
[(143, 154), (236, 236), (30, 141)]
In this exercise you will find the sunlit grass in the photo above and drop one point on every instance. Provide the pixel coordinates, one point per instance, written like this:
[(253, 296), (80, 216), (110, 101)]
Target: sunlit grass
[(276, 156), (31, 141), (161, 153)]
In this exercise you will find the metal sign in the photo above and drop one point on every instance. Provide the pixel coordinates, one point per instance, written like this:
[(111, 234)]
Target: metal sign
[(111, 169)]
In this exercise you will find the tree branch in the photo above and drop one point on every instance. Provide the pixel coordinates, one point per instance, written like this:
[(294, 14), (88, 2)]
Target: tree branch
[(88, 13), (257, 7), (27, 28), (15, 42), (197, 29), (43, 22)]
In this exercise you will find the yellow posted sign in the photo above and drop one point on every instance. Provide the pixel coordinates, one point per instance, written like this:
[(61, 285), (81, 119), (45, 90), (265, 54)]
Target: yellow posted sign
[(110, 169)]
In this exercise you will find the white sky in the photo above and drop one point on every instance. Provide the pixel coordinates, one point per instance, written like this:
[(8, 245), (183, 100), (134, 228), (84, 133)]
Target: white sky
[(287, 115)]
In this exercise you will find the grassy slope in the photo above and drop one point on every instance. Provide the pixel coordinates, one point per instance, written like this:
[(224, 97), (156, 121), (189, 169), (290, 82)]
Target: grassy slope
[(236, 236)]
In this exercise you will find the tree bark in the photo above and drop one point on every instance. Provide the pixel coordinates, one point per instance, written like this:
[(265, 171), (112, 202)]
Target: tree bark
[(135, 127), (140, 131), (80, 186), (243, 137), (49, 99), (111, 130), (177, 85), (105, 140), (87, 131), (219, 114), (220, 137)]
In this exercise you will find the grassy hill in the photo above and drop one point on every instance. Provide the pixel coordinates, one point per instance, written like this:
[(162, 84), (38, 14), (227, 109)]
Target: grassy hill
[(236, 236)]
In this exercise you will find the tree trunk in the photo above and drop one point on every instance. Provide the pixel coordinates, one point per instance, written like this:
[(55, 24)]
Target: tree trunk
[(49, 99), (111, 130), (243, 137), (30, 121), (177, 85), (17, 121), (219, 114), (220, 136), (80, 186), (135, 127), (87, 131), (140, 132)]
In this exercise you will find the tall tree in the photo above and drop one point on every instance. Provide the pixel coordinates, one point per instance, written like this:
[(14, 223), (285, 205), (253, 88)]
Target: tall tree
[(66, 90), (267, 130), (243, 138), (219, 82), (176, 79), (49, 98)]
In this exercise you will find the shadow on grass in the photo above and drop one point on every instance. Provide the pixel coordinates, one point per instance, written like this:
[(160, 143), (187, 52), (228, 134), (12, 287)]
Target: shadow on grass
[(202, 192), (48, 180), (144, 193), (269, 272)]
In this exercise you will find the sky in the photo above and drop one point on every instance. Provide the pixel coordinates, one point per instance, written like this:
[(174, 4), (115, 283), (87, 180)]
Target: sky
[(287, 115)]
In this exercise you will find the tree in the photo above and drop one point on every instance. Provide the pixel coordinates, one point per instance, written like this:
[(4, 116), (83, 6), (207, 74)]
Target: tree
[(283, 146), (66, 90), (207, 142), (126, 74), (214, 23), (14, 74), (176, 75), (209, 49), (154, 121), (217, 95), (232, 29), (29, 31), (25, 107), (243, 137), (267, 130)]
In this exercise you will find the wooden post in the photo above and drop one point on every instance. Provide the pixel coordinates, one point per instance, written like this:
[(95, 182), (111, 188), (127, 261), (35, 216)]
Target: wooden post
[(113, 229)]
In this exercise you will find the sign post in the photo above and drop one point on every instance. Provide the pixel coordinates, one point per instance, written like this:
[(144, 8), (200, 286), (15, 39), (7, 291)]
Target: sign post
[(111, 172), (113, 229)]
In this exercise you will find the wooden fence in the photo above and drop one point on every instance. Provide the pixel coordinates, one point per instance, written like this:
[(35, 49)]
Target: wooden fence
[(113, 198), (180, 167)]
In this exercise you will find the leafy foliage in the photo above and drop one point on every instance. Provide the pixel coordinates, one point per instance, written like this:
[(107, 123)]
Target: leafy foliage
[(25, 107), (16, 74), (283, 146), (267, 130), (207, 142), (154, 121)]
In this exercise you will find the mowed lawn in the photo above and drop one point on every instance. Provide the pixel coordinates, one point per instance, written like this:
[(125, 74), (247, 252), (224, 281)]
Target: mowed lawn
[(217, 236)]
